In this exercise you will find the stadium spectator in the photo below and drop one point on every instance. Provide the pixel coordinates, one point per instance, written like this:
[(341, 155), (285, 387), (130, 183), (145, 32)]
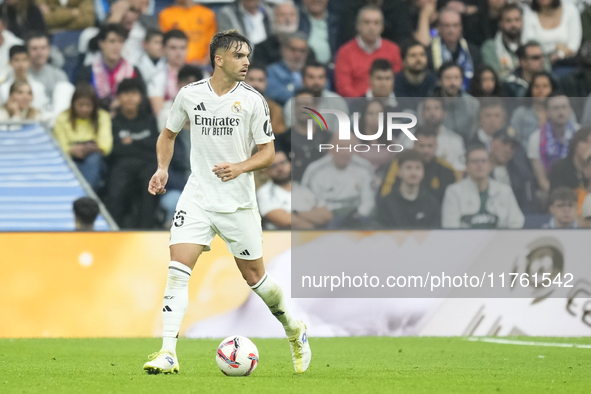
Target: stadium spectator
[(285, 23), (531, 62), (381, 83), (134, 16), (321, 27), (563, 208), (354, 59), (409, 205), (450, 145), (570, 171), (551, 142), (7, 41), (19, 61), (163, 85), (529, 117), (343, 183), (38, 46), (438, 173), (397, 21), (478, 201), (109, 68), (483, 24), (18, 106), (152, 60), (491, 117), (197, 22), (86, 210), (461, 108), (511, 167), (257, 78), (450, 46), (578, 83), (187, 74), (22, 17), (500, 52), (67, 15), (485, 83), (285, 76), (556, 25), (132, 161), (84, 133), (415, 79), (294, 141), (252, 18), (284, 204), (314, 77), (372, 118), (586, 212), (424, 16)]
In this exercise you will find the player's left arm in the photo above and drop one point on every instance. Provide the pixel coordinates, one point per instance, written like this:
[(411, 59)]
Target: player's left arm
[(262, 159)]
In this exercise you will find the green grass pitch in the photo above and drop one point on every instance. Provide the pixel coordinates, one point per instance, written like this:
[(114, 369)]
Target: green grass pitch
[(339, 365)]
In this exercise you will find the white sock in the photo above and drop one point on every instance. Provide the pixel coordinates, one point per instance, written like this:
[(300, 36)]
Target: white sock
[(269, 290), (174, 305)]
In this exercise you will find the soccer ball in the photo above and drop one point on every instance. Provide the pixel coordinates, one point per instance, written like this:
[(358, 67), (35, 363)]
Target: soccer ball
[(237, 356)]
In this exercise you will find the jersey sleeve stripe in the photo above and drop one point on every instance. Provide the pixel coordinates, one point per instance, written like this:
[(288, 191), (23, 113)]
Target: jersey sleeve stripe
[(251, 89)]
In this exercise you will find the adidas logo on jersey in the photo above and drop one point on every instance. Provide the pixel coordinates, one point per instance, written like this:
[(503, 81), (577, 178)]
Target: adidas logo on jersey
[(200, 107), (245, 253)]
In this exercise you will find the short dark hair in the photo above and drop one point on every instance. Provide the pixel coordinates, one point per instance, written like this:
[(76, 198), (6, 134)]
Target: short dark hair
[(174, 33), (490, 102), (112, 28), (380, 65), (510, 7), (474, 147), (409, 155), (16, 49), (257, 66), (446, 66), (151, 33), (86, 210), (369, 7), (562, 193), (190, 71), (35, 35), (522, 50), (407, 45), (580, 135), (426, 131), (535, 5), (438, 99), (226, 40), (554, 94), (313, 64), (302, 91), (130, 85)]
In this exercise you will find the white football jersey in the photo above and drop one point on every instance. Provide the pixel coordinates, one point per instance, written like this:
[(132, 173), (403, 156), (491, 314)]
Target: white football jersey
[(223, 129)]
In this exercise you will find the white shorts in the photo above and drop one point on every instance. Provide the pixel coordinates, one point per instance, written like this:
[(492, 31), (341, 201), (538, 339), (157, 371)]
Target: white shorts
[(241, 230)]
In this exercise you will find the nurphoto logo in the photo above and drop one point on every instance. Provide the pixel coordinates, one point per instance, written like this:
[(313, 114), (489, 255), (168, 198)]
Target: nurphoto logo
[(392, 123)]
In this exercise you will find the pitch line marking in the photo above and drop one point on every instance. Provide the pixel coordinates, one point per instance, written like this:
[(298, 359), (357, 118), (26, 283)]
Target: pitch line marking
[(528, 343)]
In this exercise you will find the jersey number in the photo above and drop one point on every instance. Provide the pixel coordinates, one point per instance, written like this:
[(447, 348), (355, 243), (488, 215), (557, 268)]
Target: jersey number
[(179, 218)]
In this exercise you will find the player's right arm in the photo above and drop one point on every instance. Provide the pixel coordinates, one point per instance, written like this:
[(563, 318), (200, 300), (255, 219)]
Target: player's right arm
[(164, 152), (165, 145)]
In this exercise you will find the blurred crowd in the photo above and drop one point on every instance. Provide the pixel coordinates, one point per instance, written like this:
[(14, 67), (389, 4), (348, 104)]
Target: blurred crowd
[(499, 89)]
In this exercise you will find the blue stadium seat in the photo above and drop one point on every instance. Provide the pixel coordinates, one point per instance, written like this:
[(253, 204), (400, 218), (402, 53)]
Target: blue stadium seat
[(37, 187)]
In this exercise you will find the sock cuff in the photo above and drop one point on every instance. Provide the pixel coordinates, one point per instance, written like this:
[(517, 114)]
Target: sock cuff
[(176, 266), (260, 282)]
